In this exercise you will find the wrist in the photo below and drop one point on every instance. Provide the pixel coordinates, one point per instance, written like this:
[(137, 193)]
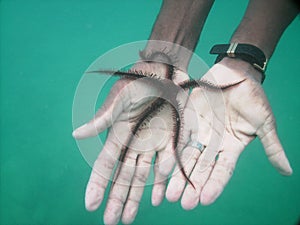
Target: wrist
[(246, 52), (242, 67), (156, 67), (167, 53)]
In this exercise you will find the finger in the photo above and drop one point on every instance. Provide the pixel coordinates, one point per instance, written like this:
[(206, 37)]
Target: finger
[(167, 157), (105, 116), (200, 126), (166, 160), (120, 189), (222, 170), (192, 131), (275, 152), (191, 195), (137, 187), (177, 183), (101, 173), (160, 182), (208, 135)]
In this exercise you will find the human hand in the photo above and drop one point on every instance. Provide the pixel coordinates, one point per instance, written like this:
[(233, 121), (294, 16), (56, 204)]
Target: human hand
[(120, 112), (233, 120)]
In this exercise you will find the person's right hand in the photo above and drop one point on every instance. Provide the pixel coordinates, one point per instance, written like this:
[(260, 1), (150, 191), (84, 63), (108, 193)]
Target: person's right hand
[(120, 112)]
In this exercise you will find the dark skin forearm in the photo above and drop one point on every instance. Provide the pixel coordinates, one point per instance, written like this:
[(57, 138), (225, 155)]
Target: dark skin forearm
[(179, 22), (264, 22), (262, 26)]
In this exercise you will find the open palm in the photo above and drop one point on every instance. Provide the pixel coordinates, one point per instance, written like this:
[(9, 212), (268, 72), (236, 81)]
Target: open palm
[(127, 100), (232, 119)]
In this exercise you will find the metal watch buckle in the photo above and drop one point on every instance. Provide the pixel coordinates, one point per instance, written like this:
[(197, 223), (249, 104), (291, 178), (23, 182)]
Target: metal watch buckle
[(263, 69), (231, 50), (231, 53)]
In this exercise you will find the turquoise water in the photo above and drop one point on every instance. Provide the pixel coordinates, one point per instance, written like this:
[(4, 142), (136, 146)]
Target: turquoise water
[(45, 48)]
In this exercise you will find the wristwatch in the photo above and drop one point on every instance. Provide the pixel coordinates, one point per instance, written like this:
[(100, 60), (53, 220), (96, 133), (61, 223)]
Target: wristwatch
[(246, 52)]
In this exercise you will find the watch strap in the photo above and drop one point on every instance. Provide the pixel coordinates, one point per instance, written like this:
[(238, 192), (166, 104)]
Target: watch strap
[(246, 52)]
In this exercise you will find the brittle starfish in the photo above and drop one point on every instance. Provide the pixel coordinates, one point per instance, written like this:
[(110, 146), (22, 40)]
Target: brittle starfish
[(157, 82)]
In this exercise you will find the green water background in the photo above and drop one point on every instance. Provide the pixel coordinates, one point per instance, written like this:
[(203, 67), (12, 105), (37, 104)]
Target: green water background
[(46, 46)]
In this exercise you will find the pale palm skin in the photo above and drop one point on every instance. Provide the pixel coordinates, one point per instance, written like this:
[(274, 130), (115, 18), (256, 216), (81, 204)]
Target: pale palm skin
[(125, 102), (243, 120), (247, 114)]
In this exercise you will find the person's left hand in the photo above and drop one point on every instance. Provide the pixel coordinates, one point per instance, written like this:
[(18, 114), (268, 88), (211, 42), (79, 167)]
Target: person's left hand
[(225, 122)]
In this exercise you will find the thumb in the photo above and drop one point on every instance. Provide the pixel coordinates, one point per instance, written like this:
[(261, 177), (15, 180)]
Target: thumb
[(273, 148), (103, 119)]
